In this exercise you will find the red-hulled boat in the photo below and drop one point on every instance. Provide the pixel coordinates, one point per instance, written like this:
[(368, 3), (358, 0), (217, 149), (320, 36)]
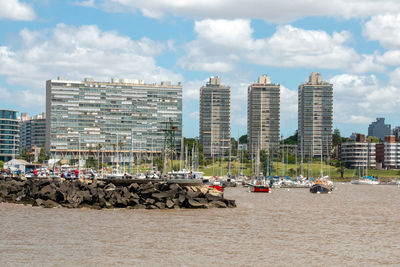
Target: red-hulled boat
[(217, 185), (259, 186)]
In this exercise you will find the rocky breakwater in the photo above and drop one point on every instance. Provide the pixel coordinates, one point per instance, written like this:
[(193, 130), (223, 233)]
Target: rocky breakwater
[(76, 193)]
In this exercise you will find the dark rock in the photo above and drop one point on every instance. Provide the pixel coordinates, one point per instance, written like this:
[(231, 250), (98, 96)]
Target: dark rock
[(169, 203), (150, 201), (181, 198), (201, 200), (211, 197), (217, 204), (165, 194), (143, 187), (102, 202), (149, 191), (160, 205), (134, 195), (133, 187), (43, 182), (175, 187), (109, 187), (193, 194), (231, 203), (194, 204), (125, 192), (47, 192), (139, 206), (151, 207), (49, 204), (38, 202)]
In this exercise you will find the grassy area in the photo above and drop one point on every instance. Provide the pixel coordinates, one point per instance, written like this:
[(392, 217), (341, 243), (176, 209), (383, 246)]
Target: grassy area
[(315, 170)]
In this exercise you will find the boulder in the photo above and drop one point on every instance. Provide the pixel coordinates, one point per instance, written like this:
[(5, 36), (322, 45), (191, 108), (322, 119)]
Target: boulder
[(231, 203), (150, 201), (47, 192), (109, 187), (165, 194), (193, 194), (169, 203), (38, 202), (197, 205), (160, 205), (175, 187), (49, 204), (217, 204), (133, 187)]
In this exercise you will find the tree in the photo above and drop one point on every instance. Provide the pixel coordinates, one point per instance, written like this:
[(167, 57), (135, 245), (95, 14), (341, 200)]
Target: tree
[(292, 140), (42, 155), (243, 139), (1, 165), (336, 138), (26, 155), (373, 139)]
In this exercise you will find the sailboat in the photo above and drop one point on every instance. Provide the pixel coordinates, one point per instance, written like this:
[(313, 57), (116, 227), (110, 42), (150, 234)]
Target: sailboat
[(365, 180), (259, 184), (322, 185)]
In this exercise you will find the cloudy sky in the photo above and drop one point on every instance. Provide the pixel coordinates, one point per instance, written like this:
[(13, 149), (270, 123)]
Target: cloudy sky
[(354, 44)]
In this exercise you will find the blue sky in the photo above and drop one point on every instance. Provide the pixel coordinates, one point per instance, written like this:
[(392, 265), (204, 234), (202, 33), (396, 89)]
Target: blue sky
[(354, 44)]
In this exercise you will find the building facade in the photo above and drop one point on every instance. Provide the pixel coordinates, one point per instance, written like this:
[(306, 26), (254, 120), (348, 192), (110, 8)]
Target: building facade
[(9, 134), (315, 115), (379, 129), (388, 153), (32, 131), (118, 116), (263, 114), (358, 154), (215, 122)]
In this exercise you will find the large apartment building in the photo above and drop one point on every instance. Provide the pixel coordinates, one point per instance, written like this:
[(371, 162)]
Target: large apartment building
[(9, 134), (32, 131), (263, 114), (315, 112), (215, 110), (120, 115)]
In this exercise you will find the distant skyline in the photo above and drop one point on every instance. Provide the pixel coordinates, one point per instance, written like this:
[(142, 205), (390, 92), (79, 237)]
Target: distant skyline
[(354, 44)]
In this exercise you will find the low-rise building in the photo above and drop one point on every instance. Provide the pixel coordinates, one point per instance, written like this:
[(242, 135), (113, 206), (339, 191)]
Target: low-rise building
[(388, 153), (358, 154)]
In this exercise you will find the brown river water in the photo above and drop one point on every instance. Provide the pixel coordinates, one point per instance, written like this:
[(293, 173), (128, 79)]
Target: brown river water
[(355, 225)]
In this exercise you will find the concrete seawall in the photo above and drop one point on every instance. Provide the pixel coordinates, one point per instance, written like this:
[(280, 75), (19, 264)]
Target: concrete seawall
[(77, 193)]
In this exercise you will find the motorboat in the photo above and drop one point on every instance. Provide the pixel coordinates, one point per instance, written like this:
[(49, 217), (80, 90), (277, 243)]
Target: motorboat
[(259, 185), (322, 186)]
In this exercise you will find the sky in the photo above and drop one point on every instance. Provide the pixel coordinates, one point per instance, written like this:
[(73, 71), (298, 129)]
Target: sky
[(354, 44)]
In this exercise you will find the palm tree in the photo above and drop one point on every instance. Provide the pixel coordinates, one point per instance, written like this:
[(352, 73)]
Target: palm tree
[(98, 147), (121, 146)]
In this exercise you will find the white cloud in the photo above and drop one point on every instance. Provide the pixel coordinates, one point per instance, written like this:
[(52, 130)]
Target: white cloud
[(78, 52), (270, 10), (359, 98), (391, 58), (15, 10), (385, 29), (221, 44), (21, 98), (86, 3), (395, 77)]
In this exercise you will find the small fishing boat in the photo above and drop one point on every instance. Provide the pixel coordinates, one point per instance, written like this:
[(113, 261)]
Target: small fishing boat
[(321, 186), (259, 185)]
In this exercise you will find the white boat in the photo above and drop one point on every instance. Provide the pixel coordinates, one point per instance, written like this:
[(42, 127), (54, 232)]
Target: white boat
[(366, 181)]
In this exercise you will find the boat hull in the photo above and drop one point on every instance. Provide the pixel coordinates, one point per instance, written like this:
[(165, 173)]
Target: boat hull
[(319, 188), (259, 189), (217, 187)]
